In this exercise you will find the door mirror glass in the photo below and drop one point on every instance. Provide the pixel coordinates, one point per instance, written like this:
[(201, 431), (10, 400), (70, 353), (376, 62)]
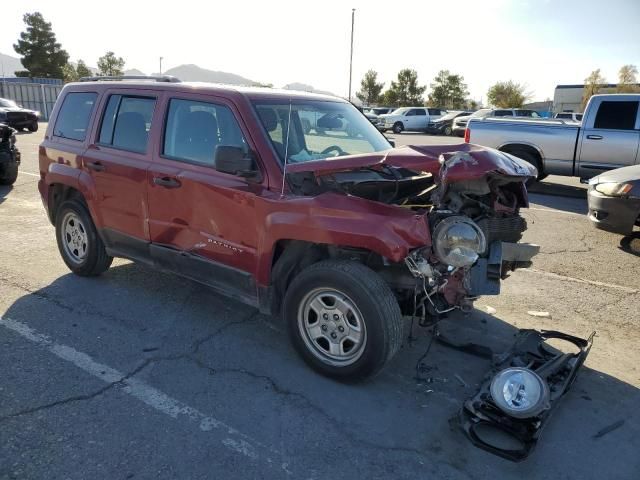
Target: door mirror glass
[(235, 161)]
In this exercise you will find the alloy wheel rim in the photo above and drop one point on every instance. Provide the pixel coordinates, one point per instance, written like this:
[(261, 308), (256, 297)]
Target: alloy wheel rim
[(75, 239), (332, 327)]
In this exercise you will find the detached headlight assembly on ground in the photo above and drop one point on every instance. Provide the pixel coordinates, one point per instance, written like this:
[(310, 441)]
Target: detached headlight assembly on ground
[(458, 241), (519, 392), (613, 189)]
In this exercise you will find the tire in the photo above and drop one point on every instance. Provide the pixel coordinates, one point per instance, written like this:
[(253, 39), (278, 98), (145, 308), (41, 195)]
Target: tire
[(398, 128), (84, 252), (448, 131), (533, 160), (33, 127), (364, 308), (9, 174)]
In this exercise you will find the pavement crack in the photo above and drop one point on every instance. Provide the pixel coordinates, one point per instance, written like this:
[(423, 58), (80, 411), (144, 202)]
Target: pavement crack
[(195, 347), (79, 398)]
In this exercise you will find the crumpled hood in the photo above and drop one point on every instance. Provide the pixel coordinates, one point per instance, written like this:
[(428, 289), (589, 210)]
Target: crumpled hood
[(447, 163)]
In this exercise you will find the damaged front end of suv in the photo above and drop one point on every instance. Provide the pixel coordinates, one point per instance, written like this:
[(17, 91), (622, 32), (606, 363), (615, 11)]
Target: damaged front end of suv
[(470, 200)]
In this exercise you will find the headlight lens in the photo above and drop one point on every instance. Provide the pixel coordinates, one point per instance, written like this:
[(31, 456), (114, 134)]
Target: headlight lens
[(613, 189), (458, 241), (520, 392)]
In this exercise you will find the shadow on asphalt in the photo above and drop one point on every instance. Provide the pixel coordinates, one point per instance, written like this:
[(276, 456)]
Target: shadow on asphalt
[(256, 379), (5, 190)]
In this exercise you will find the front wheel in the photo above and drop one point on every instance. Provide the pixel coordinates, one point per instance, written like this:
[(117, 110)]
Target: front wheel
[(448, 131), (79, 244), (343, 319), (33, 127), (9, 174)]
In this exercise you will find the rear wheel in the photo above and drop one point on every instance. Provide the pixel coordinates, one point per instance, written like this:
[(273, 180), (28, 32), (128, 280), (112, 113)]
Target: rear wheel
[(398, 127), (79, 244), (8, 174), (343, 319), (533, 160)]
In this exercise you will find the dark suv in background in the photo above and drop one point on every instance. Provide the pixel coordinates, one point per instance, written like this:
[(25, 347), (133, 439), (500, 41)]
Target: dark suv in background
[(18, 117)]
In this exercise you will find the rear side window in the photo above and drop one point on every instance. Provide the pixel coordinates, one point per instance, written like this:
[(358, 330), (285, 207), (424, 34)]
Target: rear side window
[(420, 111), (503, 113), (617, 115), (126, 122), (194, 129), (434, 111), (73, 117)]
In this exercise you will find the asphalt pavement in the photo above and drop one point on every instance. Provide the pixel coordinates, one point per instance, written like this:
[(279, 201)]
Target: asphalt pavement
[(141, 374)]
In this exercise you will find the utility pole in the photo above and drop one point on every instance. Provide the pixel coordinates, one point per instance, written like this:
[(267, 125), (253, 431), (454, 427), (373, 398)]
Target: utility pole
[(161, 65), (353, 14)]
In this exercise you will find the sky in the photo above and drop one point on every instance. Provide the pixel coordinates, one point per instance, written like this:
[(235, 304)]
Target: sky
[(539, 43)]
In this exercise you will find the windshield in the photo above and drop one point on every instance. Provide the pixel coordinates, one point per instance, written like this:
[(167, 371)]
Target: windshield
[(449, 116), (319, 130), (399, 111), (483, 112), (8, 103)]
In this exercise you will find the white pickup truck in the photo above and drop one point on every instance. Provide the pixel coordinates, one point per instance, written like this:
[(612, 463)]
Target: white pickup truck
[(608, 138)]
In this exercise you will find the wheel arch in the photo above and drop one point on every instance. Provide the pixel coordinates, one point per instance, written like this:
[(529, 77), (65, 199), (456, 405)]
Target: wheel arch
[(524, 147)]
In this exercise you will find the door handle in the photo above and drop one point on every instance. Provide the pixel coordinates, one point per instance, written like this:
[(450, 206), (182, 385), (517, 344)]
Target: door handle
[(95, 166), (594, 137), (167, 182)]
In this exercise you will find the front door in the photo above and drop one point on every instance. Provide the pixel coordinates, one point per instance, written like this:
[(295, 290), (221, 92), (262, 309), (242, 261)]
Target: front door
[(610, 136), (203, 222), (117, 161)]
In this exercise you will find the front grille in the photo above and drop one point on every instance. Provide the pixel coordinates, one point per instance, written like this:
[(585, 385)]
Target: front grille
[(504, 229)]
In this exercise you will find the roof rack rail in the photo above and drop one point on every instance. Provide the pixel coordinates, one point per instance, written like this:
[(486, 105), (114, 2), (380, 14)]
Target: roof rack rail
[(156, 78)]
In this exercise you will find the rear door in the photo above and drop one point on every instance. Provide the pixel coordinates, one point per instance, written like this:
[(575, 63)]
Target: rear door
[(610, 136), (117, 161), (418, 119), (202, 221)]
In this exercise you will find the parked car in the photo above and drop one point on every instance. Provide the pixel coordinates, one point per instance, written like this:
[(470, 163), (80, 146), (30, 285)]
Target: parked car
[(607, 138), (614, 200), (381, 110), (372, 117), (574, 117), (460, 123), (18, 117), (222, 185), (444, 124), (409, 119), (9, 155)]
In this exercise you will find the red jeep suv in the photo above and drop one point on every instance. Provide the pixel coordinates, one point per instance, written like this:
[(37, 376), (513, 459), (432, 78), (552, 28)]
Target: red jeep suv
[(291, 202)]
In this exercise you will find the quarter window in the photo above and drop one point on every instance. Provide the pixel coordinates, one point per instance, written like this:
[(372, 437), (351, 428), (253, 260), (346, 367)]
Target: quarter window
[(74, 115), (126, 122), (194, 130), (617, 115)]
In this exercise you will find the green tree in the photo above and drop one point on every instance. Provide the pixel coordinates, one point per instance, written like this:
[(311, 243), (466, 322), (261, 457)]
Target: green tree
[(42, 56), (370, 89), (405, 91), (110, 66), (448, 90), (69, 73), (82, 69), (628, 79), (507, 95), (592, 85)]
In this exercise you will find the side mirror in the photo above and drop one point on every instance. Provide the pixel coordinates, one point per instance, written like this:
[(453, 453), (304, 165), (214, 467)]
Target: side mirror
[(234, 160)]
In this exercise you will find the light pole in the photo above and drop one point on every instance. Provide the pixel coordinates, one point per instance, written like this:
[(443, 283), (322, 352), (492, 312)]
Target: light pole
[(161, 65), (353, 14)]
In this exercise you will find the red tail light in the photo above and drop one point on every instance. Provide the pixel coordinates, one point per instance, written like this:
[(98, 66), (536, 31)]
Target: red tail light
[(467, 135)]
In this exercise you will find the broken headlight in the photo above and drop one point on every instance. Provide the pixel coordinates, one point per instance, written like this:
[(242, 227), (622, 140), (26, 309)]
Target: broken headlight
[(519, 392), (458, 241)]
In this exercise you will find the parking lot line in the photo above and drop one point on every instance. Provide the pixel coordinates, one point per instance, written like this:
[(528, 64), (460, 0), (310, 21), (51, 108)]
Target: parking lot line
[(553, 210), (29, 173), (231, 438), (580, 280)]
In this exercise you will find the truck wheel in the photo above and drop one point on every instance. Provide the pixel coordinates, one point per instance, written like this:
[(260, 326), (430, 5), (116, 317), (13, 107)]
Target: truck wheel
[(9, 174), (398, 127), (533, 160), (79, 244), (343, 319), (33, 127)]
